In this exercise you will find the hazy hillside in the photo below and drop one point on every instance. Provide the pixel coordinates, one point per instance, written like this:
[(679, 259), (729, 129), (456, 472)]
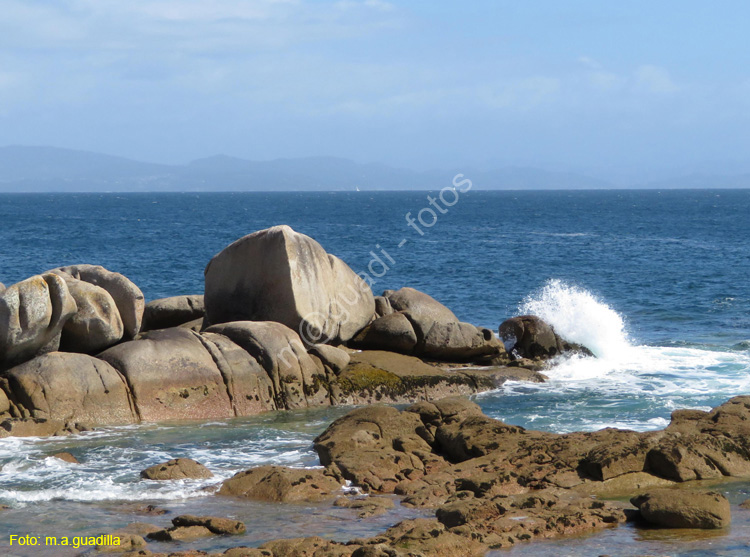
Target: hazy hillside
[(49, 169)]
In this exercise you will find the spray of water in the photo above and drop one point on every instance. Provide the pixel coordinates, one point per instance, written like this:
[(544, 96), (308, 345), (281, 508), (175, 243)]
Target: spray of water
[(578, 316)]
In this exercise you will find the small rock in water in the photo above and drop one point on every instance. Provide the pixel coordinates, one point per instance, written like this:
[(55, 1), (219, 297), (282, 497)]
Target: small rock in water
[(217, 525), (177, 469), (671, 508), (66, 457)]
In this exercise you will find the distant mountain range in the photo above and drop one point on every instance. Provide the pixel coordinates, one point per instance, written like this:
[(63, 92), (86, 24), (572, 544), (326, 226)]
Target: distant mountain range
[(50, 169)]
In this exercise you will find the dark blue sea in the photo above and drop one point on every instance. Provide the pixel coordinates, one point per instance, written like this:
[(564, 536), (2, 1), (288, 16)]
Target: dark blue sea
[(657, 284)]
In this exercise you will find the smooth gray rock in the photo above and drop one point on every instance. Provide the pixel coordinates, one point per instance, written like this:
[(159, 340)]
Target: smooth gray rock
[(172, 312), (333, 357), (96, 325), (127, 296), (33, 313), (392, 332), (280, 275)]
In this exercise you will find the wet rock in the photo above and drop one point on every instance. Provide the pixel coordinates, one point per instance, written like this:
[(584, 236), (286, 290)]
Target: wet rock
[(282, 484), (425, 536), (65, 457), (528, 336), (33, 313), (671, 508), (247, 552), (177, 469), (171, 375), (140, 528), (307, 547), (180, 533), (217, 525), (72, 387), (128, 542), (37, 427), (280, 275), (172, 312), (366, 506), (126, 295)]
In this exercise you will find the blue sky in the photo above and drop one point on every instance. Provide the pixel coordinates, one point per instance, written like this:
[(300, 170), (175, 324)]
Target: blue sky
[(608, 86)]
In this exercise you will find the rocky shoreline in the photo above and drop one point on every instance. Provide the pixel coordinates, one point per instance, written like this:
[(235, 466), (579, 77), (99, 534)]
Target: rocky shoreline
[(284, 325)]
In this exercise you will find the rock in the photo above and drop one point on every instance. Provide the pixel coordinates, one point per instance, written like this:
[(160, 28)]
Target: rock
[(307, 547), (171, 375), (33, 313), (180, 533), (424, 536), (5, 404), (439, 334), (140, 528), (127, 296), (172, 312), (35, 427), (382, 306), (528, 336), (377, 447), (392, 332), (297, 381), (282, 484), (333, 357), (670, 508), (177, 469), (280, 275), (217, 525), (96, 325), (72, 387), (65, 457), (250, 388), (127, 542), (247, 552), (366, 506)]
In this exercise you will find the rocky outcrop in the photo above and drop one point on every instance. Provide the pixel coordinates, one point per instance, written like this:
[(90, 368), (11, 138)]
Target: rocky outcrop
[(283, 276), (670, 508), (127, 296), (189, 527), (172, 312), (295, 376), (528, 336), (72, 388), (177, 469), (279, 484), (171, 375), (414, 323), (33, 313)]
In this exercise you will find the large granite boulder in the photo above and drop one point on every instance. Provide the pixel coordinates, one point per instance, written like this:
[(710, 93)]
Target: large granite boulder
[(280, 275), (298, 381), (96, 325), (33, 313), (171, 375), (172, 312), (671, 508), (177, 469), (414, 323), (126, 295), (528, 336), (72, 388)]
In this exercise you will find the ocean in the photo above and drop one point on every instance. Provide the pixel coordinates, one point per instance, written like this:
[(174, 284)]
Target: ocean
[(655, 283)]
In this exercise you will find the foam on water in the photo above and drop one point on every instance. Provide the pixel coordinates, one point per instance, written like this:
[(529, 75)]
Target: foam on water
[(626, 385)]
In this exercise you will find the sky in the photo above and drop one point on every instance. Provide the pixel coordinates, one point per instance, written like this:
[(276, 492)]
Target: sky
[(606, 86)]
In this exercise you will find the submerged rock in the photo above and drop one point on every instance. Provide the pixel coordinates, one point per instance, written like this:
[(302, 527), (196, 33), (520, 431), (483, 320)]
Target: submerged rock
[(177, 469), (280, 275), (670, 508)]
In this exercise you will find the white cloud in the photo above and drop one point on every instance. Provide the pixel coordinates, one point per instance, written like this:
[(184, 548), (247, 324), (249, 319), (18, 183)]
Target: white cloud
[(654, 79)]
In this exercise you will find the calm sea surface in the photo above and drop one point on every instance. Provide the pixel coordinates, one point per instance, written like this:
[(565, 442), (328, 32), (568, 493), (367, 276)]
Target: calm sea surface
[(656, 283)]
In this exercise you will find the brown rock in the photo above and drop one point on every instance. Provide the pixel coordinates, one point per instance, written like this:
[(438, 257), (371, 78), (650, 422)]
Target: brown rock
[(217, 525), (392, 332), (247, 552), (366, 506), (72, 387), (177, 469), (670, 508), (528, 336), (282, 484), (335, 358), (430, 537), (180, 533), (65, 457), (128, 542), (307, 547), (171, 376)]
